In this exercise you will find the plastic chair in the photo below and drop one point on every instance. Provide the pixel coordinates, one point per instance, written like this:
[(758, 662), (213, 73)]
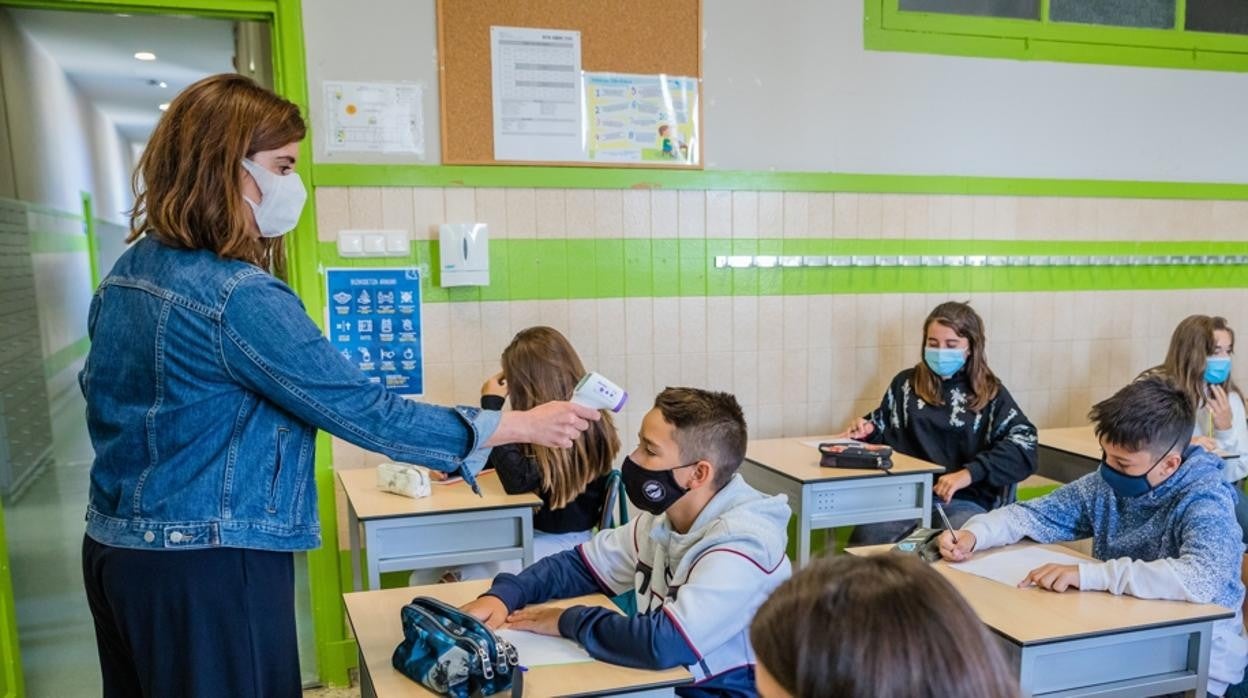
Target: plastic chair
[(613, 487), (626, 602)]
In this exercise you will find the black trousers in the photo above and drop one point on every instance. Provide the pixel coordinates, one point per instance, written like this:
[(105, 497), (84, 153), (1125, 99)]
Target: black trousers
[(193, 623)]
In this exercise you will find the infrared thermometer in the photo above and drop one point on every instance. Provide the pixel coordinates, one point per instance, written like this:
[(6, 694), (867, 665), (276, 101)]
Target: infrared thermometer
[(597, 392)]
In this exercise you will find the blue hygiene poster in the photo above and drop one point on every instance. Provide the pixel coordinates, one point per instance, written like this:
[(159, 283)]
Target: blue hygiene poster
[(374, 322)]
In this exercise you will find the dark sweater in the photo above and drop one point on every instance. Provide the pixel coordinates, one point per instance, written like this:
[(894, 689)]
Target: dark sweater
[(997, 445), (520, 473)]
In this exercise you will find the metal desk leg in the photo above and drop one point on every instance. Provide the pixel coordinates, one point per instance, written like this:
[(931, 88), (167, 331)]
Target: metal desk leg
[(372, 551), (927, 502), (353, 536), (526, 530), (366, 681), (802, 511)]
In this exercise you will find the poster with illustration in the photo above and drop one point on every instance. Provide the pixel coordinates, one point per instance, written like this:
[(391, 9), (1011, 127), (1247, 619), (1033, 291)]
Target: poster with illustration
[(373, 320), (641, 119)]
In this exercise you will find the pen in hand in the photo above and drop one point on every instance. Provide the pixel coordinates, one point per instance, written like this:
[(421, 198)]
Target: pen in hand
[(943, 517)]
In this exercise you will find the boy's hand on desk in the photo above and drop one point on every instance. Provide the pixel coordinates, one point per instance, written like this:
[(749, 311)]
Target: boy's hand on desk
[(959, 551), (947, 485), (543, 621), (488, 609), (1053, 577)]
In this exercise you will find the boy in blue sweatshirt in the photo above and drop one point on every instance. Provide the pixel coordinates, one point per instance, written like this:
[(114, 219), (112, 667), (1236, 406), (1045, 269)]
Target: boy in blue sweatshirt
[(1160, 515), (702, 556)]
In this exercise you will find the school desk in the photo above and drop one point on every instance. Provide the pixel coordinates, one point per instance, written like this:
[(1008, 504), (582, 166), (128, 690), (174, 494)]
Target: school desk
[(1068, 454), (374, 618), (1081, 643), (452, 526), (830, 497)]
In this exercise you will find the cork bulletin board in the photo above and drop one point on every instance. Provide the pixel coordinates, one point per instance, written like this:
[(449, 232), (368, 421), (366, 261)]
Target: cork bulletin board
[(622, 36)]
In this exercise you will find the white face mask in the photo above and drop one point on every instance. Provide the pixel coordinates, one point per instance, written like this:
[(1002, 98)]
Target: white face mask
[(281, 200)]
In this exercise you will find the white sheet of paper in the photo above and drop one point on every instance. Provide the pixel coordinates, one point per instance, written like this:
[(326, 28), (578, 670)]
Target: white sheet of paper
[(379, 117), (815, 443), (1011, 566), (538, 111), (544, 650)]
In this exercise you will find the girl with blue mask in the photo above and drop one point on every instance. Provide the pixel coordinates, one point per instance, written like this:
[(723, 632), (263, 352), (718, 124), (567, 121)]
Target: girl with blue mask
[(950, 409), (1199, 362)]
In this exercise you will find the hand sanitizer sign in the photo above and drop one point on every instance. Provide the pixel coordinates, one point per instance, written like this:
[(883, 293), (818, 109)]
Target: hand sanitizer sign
[(373, 320)]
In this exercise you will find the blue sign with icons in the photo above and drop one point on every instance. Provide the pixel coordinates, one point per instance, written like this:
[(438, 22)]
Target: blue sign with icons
[(373, 320)]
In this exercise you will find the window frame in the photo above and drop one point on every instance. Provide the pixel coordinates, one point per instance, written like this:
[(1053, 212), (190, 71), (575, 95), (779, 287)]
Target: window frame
[(889, 28)]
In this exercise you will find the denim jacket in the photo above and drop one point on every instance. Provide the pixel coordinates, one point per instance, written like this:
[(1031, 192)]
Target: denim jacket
[(205, 385)]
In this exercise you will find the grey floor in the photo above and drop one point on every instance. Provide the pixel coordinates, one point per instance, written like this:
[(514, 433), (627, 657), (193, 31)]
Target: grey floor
[(44, 528)]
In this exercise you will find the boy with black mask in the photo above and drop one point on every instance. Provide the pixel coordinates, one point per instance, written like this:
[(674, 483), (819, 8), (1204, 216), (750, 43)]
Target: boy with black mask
[(706, 552)]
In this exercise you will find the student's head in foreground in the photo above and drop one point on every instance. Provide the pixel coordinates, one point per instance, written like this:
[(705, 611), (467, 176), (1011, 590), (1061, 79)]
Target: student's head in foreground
[(879, 626), (689, 446), (1143, 429)]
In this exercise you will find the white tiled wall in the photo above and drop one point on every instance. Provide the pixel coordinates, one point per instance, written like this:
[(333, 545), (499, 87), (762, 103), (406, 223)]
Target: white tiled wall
[(633, 213), (806, 364)]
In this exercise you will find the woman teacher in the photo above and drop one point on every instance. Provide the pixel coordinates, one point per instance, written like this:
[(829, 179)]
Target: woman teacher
[(205, 385)]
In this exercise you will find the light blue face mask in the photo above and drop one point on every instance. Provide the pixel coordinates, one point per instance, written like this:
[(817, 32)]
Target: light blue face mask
[(1217, 369), (944, 362)]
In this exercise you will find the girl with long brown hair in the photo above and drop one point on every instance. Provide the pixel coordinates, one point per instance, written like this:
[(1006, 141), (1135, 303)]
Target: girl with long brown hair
[(205, 385), (952, 410), (1199, 363), (540, 365), (880, 626)]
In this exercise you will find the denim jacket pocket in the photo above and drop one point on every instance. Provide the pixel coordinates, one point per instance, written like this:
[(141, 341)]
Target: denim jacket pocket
[(275, 483)]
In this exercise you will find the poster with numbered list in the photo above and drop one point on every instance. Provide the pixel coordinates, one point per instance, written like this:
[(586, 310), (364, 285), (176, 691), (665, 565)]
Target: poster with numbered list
[(641, 118)]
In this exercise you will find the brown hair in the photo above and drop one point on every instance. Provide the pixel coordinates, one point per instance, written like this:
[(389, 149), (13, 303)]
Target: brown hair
[(877, 626), (188, 184), (1191, 344), (540, 365), (708, 425), (963, 320)]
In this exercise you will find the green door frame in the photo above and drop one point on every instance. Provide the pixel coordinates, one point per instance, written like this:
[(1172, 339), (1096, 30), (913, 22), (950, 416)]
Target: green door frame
[(93, 243), (10, 654), (335, 650)]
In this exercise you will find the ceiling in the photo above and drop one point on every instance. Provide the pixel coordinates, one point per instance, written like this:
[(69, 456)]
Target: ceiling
[(97, 52)]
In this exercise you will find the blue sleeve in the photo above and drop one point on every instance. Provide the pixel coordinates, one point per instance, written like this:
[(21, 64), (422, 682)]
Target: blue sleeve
[(648, 641), (561, 576), (270, 346)]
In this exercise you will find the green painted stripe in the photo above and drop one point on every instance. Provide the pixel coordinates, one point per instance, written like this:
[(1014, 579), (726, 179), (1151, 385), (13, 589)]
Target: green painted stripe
[(56, 243), (613, 268), (739, 180), (65, 356)]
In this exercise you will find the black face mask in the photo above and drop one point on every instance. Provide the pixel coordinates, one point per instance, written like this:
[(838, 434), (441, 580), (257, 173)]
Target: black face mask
[(651, 490)]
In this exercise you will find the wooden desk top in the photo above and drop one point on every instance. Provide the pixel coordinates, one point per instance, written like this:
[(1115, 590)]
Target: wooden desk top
[(797, 461), (374, 617), (360, 485), (1079, 441), (1035, 616)]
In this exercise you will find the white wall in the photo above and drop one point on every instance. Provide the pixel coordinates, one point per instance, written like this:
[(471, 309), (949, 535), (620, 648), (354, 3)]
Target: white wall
[(788, 86), (61, 145), (378, 40)]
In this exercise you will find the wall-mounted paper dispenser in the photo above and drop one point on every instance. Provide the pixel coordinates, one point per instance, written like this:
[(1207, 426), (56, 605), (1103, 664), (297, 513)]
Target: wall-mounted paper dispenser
[(465, 254)]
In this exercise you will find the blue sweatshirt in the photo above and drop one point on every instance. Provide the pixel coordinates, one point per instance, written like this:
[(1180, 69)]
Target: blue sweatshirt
[(696, 592), (1179, 542)]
